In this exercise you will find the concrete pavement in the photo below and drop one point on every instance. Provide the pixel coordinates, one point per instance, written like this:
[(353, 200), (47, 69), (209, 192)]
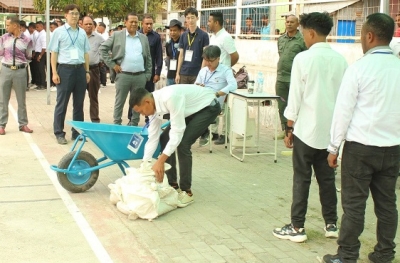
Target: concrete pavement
[(237, 204)]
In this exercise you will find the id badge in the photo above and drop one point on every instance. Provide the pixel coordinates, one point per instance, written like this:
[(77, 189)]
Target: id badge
[(189, 55), (135, 143), (74, 53), (172, 64)]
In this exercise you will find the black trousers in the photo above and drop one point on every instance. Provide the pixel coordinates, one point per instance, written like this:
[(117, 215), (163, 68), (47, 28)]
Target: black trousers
[(103, 74), (40, 69), (73, 81), (93, 90), (195, 125), (305, 158), (368, 169), (33, 69)]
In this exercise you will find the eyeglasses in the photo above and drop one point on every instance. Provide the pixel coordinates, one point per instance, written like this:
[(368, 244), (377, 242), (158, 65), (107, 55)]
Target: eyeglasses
[(74, 13)]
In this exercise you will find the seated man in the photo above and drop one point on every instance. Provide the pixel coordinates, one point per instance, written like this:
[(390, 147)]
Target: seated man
[(192, 109), (217, 77)]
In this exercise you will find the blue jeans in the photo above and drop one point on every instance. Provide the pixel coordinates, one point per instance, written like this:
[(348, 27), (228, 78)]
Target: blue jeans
[(365, 169)]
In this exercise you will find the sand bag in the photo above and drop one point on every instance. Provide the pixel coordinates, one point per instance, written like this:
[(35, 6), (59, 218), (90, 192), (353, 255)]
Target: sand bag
[(139, 196)]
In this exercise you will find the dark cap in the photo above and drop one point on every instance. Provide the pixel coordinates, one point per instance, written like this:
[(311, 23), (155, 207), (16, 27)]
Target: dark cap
[(174, 22)]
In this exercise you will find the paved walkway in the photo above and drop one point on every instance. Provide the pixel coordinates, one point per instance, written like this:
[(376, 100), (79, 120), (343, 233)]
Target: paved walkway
[(237, 204)]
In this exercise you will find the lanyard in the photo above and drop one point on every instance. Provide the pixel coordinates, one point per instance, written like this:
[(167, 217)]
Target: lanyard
[(207, 80), (173, 49), (73, 41), (385, 51), (191, 42), (148, 124), (381, 52)]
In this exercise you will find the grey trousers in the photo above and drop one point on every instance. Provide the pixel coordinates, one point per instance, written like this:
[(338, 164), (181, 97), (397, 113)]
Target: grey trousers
[(16, 79), (125, 84)]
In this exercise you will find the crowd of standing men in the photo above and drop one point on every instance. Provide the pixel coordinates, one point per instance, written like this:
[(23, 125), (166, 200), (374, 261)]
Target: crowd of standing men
[(323, 103)]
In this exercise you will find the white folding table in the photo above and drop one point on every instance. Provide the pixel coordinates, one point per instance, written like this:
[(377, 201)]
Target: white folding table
[(239, 107)]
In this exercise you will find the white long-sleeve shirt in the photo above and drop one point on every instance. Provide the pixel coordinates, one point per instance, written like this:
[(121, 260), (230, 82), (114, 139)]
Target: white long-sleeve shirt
[(180, 101), (314, 84), (367, 110), (40, 41)]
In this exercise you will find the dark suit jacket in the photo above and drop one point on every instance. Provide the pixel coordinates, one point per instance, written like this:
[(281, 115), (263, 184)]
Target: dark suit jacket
[(115, 45)]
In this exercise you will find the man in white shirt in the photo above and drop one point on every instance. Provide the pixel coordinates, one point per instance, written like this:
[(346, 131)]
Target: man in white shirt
[(192, 109), (229, 55), (32, 65), (40, 56), (367, 117), (315, 80), (101, 29), (25, 32), (221, 38), (395, 46)]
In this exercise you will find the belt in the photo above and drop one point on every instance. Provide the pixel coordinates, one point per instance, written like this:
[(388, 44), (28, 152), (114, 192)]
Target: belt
[(93, 66), (132, 73), (214, 102), (71, 65), (14, 67)]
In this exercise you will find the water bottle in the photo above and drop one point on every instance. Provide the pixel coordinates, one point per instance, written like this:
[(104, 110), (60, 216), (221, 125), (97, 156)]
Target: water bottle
[(250, 86), (260, 82)]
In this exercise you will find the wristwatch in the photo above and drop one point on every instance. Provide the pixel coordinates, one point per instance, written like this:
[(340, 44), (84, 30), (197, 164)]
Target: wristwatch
[(87, 71), (217, 94), (288, 129)]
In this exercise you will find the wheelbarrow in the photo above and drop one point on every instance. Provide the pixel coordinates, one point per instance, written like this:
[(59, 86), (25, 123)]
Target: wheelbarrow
[(78, 170)]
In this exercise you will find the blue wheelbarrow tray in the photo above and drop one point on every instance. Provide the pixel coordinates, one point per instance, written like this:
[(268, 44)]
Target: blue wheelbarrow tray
[(78, 170)]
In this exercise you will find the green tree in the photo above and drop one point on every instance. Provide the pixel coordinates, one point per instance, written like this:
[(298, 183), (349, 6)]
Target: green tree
[(115, 10)]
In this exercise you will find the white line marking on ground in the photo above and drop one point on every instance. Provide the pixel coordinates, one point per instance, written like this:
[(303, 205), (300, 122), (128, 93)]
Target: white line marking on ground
[(80, 220)]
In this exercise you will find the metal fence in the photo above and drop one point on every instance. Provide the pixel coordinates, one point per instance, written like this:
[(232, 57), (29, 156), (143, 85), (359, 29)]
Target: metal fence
[(239, 16)]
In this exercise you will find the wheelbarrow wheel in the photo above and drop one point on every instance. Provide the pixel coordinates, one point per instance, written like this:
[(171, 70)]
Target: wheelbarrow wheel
[(73, 182)]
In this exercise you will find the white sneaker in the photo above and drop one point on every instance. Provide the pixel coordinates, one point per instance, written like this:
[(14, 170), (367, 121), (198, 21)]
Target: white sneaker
[(54, 88), (184, 199), (331, 231)]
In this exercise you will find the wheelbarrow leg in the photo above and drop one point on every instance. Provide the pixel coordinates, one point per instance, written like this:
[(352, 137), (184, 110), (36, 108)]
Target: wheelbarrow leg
[(122, 165)]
